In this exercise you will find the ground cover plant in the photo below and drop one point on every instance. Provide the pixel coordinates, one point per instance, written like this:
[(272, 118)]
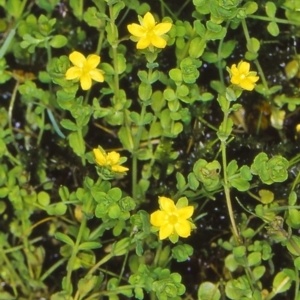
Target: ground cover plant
[(149, 149)]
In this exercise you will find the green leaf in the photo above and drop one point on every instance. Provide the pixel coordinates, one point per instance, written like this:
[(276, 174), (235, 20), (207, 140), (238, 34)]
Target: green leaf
[(230, 263), (232, 168), (58, 209), (271, 9), (92, 18), (293, 245), (208, 291), (58, 41), (181, 182), (273, 28), (258, 272), (89, 245), (250, 7), (114, 211), (240, 184), (145, 91), (2, 208), (225, 130), (117, 8), (43, 198), (177, 128), (248, 233), (197, 47), (86, 284), (238, 288), (228, 48), (292, 198), (64, 238), (176, 75), (297, 263), (77, 143), (169, 94), (281, 283), (68, 124), (182, 252), (63, 193), (121, 63), (14, 8), (253, 46), (254, 258), (77, 7), (266, 196), (239, 251), (115, 193)]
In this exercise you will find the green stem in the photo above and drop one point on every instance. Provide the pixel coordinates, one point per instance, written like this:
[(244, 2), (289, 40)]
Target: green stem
[(277, 20), (82, 146), (100, 42), (41, 129), (10, 111), (52, 268), (220, 68), (182, 6), (296, 283), (114, 45), (296, 181), (226, 187), (27, 248), (137, 140), (13, 273), (74, 254), (105, 259), (258, 66)]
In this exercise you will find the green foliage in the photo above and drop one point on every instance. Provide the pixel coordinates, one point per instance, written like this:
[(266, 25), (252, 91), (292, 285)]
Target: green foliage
[(270, 170), (178, 118)]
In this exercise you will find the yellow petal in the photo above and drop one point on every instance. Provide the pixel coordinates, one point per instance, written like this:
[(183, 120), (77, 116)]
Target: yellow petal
[(246, 84), (136, 30), (158, 218), (183, 228), (143, 43), (92, 61), (165, 231), (167, 204), (234, 70), (99, 157), (158, 41), (85, 81), (235, 79), (96, 75), (253, 78), (185, 212), (244, 67), (77, 59), (119, 169), (73, 73), (148, 21), (162, 28), (113, 158)]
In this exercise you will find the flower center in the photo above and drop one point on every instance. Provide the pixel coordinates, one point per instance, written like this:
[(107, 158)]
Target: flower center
[(150, 33), (85, 69), (173, 219), (242, 76)]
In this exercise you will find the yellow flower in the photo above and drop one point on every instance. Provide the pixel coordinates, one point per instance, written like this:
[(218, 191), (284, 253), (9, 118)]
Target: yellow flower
[(111, 159), (148, 34), (171, 219), (84, 69), (241, 76)]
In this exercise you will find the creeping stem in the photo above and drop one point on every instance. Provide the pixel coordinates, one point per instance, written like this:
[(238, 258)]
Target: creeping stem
[(74, 254), (226, 186), (115, 53)]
